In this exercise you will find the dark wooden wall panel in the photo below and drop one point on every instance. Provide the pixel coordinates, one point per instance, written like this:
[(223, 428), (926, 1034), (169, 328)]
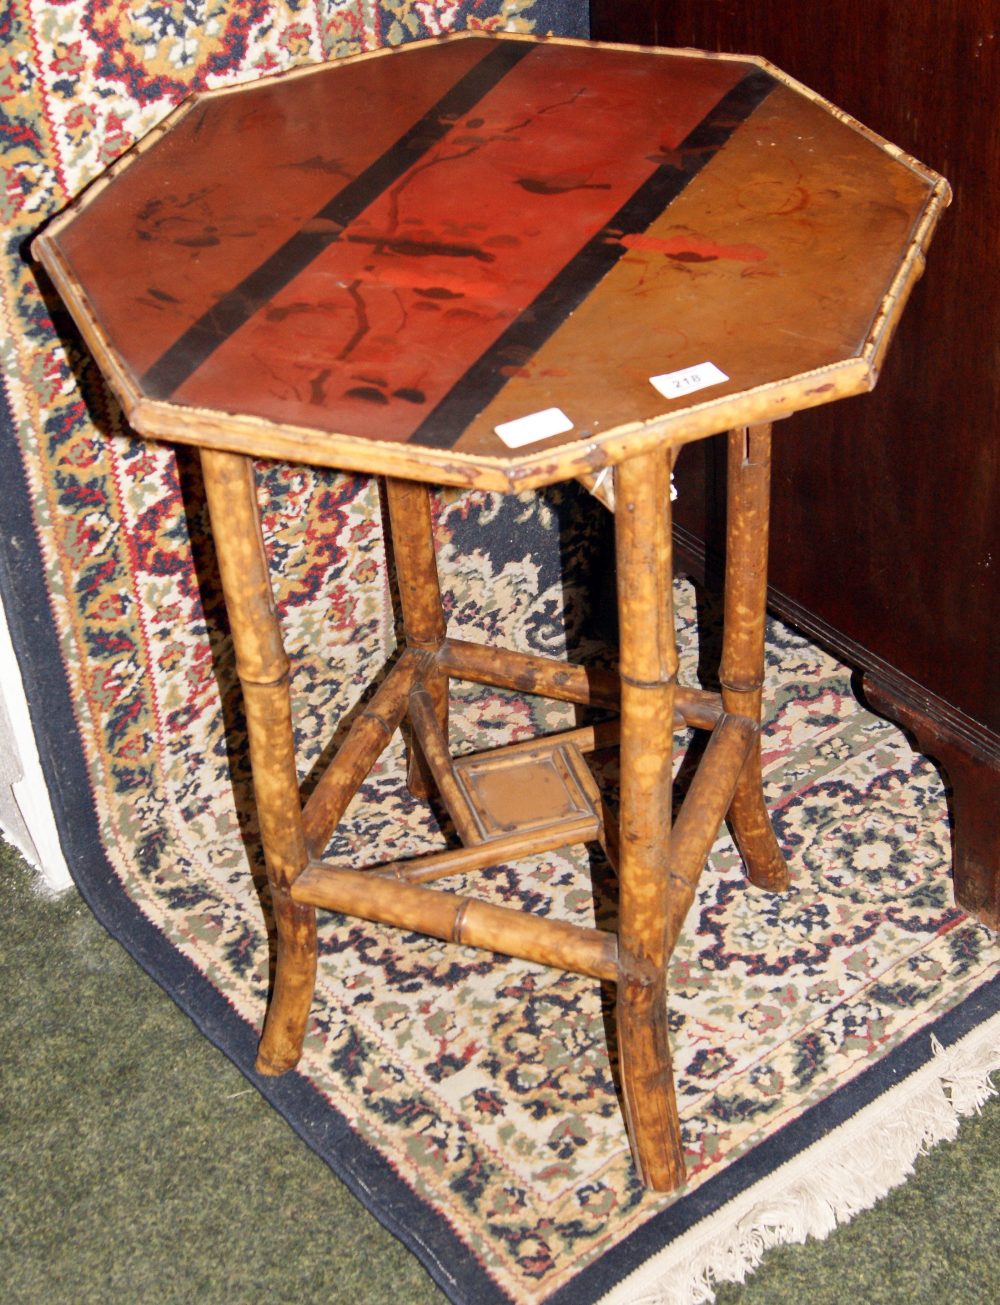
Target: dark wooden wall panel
[(886, 524)]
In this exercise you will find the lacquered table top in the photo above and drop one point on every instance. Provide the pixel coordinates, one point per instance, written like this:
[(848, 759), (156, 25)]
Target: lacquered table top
[(376, 263)]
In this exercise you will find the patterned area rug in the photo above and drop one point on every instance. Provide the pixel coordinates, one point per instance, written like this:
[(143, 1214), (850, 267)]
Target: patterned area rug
[(820, 1038)]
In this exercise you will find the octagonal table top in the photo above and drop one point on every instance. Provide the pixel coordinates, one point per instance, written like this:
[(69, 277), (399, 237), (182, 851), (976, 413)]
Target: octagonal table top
[(493, 261)]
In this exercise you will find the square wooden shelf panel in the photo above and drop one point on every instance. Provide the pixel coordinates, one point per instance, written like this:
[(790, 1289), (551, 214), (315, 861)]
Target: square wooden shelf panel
[(529, 789)]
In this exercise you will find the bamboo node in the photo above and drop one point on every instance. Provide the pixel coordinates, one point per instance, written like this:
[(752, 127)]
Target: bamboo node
[(277, 682), (458, 923), (379, 720), (662, 683), (745, 686)]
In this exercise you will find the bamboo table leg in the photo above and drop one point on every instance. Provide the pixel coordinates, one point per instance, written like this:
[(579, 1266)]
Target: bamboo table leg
[(648, 672), (742, 670), (420, 597), (648, 668), (263, 670)]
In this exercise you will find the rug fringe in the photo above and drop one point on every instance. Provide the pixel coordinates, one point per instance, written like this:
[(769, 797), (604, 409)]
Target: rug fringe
[(829, 1182)]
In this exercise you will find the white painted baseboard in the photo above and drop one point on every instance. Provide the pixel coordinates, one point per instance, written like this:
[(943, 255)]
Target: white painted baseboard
[(26, 817)]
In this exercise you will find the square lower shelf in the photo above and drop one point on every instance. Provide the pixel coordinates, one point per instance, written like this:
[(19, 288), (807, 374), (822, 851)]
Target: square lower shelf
[(527, 788)]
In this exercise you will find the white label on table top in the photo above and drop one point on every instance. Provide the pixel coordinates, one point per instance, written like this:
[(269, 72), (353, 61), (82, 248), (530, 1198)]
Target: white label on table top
[(536, 426), (675, 385)]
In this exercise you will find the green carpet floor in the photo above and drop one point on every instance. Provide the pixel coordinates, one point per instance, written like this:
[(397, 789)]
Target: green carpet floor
[(136, 1164)]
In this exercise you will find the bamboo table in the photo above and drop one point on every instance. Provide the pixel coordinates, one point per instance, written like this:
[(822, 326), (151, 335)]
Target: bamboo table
[(501, 263)]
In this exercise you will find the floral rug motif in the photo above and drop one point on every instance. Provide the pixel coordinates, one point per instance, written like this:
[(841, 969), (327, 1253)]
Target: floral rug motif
[(468, 1099)]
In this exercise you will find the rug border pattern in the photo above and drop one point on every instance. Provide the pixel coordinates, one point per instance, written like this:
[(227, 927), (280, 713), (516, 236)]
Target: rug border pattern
[(367, 1175)]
